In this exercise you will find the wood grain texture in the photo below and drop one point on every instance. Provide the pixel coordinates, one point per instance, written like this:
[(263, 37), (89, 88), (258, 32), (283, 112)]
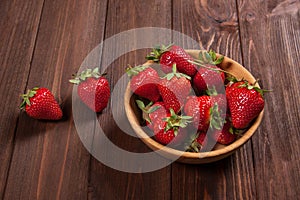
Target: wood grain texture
[(43, 42), (49, 159), (215, 26), (270, 32), (19, 23), (107, 183)]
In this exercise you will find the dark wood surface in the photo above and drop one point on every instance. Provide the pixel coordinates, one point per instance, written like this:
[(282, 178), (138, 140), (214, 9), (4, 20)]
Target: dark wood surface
[(43, 42)]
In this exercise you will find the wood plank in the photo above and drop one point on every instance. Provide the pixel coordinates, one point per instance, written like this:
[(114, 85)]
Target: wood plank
[(49, 160), (19, 22), (270, 41), (107, 183), (214, 24)]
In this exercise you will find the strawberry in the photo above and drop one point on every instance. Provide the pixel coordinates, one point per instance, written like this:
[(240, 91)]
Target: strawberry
[(39, 103), (198, 142), (209, 74), (218, 98), (93, 89), (225, 135), (144, 81), (199, 109), (205, 112), (172, 135), (201, 139), (174, 88), (207, 78), (245, 102), (173, 130), (153, 113), (167, 56)]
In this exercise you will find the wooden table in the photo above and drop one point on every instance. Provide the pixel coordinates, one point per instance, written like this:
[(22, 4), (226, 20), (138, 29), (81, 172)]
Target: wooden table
[(43, 42)]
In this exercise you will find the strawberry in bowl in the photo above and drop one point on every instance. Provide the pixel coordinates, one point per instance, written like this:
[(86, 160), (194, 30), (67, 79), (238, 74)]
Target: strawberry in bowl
[(218, 119)]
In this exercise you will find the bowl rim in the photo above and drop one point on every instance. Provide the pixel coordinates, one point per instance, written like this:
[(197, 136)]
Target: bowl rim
[(154, 145)]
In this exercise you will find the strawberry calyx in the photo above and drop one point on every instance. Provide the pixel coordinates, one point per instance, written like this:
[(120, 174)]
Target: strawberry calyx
[(246, 84), (157, 51), (175, 121), (132, 71), (236, 131), (88, 73), (193, 146), (216, 119), (146, 109), (29, 94), (210, 68), (209, 57), (174, 73), (212, 91)]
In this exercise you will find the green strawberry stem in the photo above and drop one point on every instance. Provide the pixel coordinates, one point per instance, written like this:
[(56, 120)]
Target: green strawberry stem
[(132, 71), (29, 94), (216, 121), (236, 131), (146, 109), (209, 57), (157, 51), (192, 145), (176, 121), (248, 85), (211, 91), (213, 69), (174, 73), (88, 73)]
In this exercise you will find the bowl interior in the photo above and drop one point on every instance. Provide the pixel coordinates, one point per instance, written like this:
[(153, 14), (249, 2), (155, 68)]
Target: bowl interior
[(221, 151)]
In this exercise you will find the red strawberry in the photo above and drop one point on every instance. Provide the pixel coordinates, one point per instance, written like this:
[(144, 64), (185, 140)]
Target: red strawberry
[(154, 113), (144, 81), (201, 138), (205, 112), (173, 130), (167, 56), (176, 136), (245, 102), (218, 98), (199, 109), (39, 103), (207, 78), (226, 135), (93, 89), (208, 74), (174, 88)]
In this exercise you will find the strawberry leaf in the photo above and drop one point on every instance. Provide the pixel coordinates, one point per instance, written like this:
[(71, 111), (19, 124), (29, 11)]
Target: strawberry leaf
[(212, 54), (132, 71), (140, 104), (211, 91), (219, 60), (216, 121), (29, 94), (153, 109), (88, 73), (209, 58), (157, 51), (174, 73), (177, 121)]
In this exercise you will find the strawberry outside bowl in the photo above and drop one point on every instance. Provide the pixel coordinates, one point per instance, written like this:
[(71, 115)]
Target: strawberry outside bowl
[(219, 151)]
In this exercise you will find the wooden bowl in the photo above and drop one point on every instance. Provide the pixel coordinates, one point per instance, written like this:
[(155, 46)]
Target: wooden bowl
[(219, 153)]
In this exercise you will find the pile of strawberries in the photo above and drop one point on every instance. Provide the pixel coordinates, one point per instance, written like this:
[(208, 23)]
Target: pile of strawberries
[(186, 103), (190, 103)]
